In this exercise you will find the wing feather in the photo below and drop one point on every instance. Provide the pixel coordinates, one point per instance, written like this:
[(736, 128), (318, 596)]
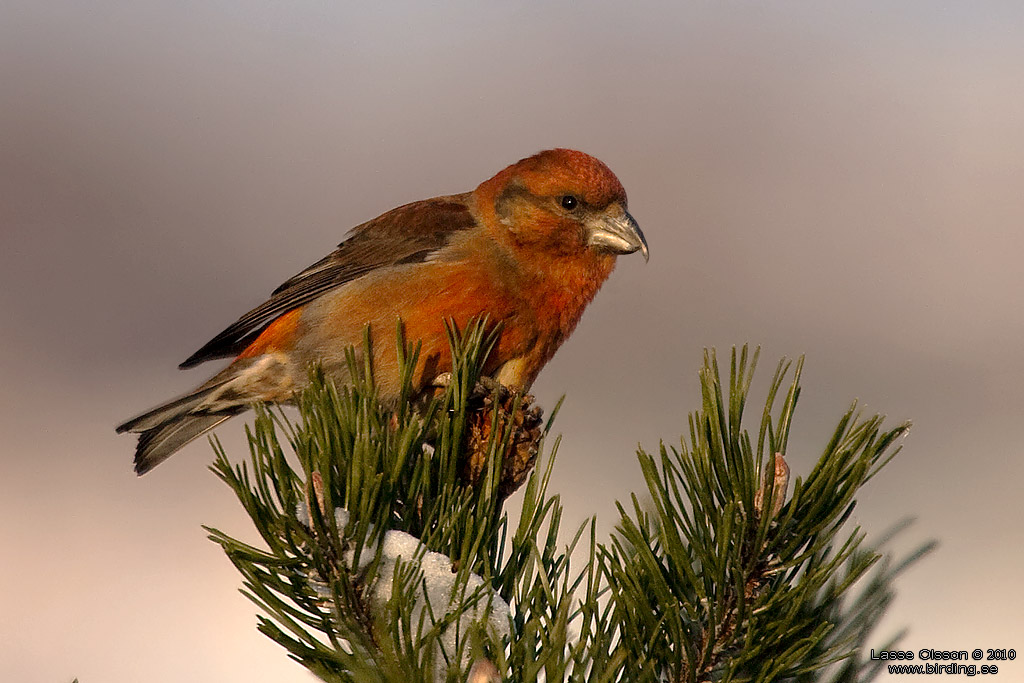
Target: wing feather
[(411, 233)]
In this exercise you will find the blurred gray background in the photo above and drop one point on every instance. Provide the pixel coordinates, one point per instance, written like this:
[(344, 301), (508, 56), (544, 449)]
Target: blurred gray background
[(841, 181)]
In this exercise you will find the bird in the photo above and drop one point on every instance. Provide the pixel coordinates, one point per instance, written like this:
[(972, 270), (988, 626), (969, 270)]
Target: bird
[(528, 248)]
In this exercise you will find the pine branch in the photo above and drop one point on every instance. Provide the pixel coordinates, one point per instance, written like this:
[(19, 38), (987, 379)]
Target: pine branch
[(716, 579), (332, 595), (390, 557)]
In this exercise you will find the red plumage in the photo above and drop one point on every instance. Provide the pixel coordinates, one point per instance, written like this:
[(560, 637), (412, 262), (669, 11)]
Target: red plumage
[(529, 247)]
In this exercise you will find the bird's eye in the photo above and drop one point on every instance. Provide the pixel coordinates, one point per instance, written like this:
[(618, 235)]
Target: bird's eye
[(569, 202)]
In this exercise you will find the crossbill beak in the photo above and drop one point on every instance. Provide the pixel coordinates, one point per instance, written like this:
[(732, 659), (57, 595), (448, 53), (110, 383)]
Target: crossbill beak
[(616, 231)]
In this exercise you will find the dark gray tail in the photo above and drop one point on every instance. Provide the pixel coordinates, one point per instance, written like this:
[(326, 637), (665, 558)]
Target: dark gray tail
[(164, 430)]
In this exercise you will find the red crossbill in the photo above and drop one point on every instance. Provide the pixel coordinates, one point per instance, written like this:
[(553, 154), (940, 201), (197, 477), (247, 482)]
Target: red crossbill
[(529, 247)]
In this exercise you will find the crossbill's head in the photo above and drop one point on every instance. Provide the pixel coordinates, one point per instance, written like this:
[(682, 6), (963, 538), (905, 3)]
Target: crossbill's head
[(561, 203)]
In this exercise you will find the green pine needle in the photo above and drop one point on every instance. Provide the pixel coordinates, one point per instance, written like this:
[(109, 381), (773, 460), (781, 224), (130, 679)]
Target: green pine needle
[(700, 581)]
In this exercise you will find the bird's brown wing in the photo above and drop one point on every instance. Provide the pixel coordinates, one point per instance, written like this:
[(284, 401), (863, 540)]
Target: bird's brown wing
[(408, 234)]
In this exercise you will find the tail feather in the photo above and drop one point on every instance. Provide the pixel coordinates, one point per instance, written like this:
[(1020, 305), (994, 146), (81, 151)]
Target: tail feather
[(161, 442), (167, 412), (168, 427)]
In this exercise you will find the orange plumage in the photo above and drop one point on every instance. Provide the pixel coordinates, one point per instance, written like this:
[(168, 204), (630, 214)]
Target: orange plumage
[(529, 247)]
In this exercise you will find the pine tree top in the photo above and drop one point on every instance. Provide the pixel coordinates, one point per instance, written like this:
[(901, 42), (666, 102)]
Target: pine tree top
[(390, 555)]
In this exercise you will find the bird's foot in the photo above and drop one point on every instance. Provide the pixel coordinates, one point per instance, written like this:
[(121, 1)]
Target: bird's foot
[(485, 386)]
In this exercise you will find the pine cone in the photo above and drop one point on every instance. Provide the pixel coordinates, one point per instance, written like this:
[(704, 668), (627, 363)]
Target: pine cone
[(527, 425)]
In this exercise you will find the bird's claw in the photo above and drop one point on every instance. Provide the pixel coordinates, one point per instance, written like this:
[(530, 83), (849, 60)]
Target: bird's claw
[(488, 386), (442, 381), (485, 386)]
